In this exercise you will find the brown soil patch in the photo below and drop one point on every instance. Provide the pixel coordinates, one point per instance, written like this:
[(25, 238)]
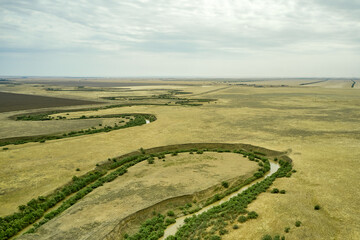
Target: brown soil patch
[(14, 102)]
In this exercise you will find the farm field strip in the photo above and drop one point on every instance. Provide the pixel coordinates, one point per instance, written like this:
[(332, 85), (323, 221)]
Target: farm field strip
[(310, 83), (14, 102)]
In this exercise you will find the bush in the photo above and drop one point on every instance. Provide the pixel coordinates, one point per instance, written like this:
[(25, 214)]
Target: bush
[(225, 184), (287, 229), (297, 223), (78, 169), (275, 190), (215, 237), (236, 226), (276, 237), (282, 192), (171, 237), (267, 237), (169, 221), (317, 207), (242, 219), (223, 231), (150, 160), (252, 215), (170, 213)]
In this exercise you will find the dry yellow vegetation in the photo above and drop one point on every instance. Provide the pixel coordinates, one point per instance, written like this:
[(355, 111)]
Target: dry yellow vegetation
[(318, 126), (144, 186)]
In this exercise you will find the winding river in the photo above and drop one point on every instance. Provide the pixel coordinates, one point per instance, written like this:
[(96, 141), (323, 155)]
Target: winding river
[(172, 229)]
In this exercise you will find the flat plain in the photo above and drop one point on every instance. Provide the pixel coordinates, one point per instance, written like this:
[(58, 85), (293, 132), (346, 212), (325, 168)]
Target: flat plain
[(316, 124)]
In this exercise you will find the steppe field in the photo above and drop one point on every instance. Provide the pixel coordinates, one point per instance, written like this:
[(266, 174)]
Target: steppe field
[(104, 155)]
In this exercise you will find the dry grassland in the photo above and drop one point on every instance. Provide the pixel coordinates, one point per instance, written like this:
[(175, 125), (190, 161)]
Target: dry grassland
[(320, 127), (143, 186)]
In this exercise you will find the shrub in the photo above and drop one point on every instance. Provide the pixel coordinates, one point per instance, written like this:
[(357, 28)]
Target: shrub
[(317, 207), (199, 152), (174, 154), (225, 184), (5, 148), (170, 213), (215, 237), (287, 229), (150, 160), (252, 215), (275, 190), (78, 169), (297, 223), (236, 226), (22, 207), (282, 192), (223, 231), (276, 237), (267, 237), (171, 237), (169, 221), (242, 219)]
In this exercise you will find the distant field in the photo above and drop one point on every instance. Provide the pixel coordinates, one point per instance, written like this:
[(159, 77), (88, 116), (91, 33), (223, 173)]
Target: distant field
[(98, 82), (14, 102)]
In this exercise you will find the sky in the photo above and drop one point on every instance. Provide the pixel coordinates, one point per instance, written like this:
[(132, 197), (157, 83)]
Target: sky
[(180, 38)]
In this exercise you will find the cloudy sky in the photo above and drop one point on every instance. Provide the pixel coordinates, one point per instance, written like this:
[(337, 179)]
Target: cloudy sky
[(205, 38)]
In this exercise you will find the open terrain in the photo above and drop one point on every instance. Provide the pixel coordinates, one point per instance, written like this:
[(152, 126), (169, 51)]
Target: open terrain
[(143, 186), (316, 124), (14, 102)]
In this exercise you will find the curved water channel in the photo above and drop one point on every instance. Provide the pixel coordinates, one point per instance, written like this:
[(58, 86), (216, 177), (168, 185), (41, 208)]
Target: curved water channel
[(172, 229)]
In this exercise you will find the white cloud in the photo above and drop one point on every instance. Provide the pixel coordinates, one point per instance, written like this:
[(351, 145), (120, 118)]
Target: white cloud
[(178, 31)]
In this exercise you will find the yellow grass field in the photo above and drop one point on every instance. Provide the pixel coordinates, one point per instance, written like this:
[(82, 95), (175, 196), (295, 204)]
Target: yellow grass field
[(319, 127), (143, 186)]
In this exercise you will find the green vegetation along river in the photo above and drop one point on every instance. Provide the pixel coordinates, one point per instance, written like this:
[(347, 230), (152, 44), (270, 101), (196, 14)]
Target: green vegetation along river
[(172, 229)]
